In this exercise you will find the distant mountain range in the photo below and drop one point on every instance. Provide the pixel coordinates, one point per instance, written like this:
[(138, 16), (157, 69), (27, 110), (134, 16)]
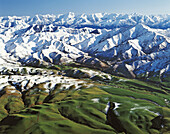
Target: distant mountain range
[(132, 45)]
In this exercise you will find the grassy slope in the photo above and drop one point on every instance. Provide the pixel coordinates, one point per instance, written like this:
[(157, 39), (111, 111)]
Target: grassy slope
[(75, 112)]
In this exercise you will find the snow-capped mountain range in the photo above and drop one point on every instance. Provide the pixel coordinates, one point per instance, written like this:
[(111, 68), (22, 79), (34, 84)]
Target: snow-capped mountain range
[(129, 44)]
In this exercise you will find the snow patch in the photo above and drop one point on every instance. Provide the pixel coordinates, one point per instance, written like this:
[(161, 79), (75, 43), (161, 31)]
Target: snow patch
[(116, 106), (95, 100)]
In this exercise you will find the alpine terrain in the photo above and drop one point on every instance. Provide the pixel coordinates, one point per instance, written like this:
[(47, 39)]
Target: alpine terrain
[(85, 74)]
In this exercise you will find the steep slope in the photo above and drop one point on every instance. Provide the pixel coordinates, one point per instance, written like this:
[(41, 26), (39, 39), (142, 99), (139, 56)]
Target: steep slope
[(131, 45), (69, 86)]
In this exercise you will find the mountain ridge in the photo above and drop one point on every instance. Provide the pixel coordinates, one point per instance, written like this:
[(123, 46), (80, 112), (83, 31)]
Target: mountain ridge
[(63, 74), (98, 19), (113, 41)]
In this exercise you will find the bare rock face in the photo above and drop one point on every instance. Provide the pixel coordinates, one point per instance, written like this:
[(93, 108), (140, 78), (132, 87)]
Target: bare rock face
[(157, 122), (77, 74), (113, 120), (92, 62), (124, 70)]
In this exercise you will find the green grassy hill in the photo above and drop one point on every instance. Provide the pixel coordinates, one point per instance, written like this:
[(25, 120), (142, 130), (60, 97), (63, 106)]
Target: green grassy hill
[(142, 108)]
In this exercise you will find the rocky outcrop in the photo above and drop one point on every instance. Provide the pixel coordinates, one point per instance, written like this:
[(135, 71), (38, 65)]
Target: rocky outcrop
[(113, 120), (76, 74), (158, 122)]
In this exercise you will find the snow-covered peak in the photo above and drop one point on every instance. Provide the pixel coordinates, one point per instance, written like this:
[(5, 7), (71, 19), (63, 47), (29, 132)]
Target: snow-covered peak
[(130, 41), (102, 20)]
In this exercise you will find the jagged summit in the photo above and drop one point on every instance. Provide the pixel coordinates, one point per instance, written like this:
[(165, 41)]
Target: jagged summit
[(101, 20), (119, 43)]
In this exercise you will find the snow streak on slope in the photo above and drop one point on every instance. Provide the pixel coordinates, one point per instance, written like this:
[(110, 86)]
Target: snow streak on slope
[(117, 43)]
